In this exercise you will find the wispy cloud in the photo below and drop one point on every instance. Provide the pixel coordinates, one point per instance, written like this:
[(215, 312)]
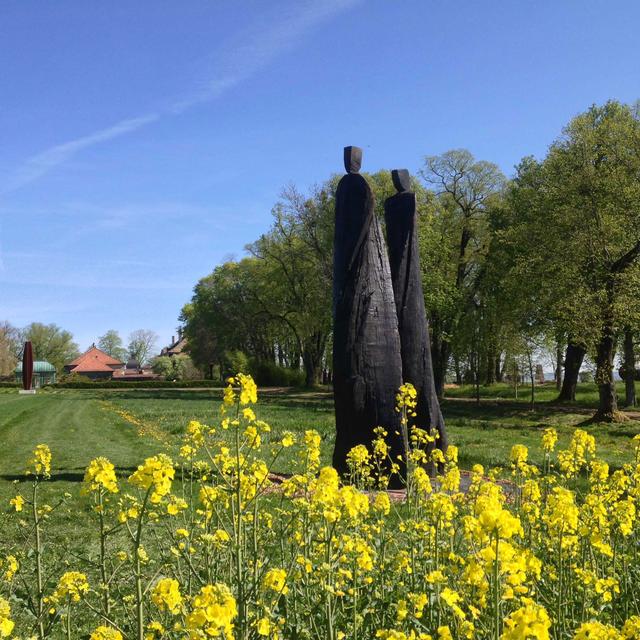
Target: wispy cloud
[(240, 59), (36, 166)]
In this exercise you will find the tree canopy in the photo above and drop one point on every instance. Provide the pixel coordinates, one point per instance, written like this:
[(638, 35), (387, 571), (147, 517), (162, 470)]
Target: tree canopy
[(543, 263)]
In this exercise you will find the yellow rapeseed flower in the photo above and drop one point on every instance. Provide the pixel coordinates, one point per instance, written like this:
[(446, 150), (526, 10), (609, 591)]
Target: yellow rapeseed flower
[(275, 580), (6, 624), (166, 595), (72, 586), (17, 503), (156, 472), (105, 633), (100, 475), (530, 622), (40, 463), (213, 612)]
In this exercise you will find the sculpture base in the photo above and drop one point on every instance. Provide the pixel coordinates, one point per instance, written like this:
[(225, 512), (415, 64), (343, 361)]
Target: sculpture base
[(27, 392)]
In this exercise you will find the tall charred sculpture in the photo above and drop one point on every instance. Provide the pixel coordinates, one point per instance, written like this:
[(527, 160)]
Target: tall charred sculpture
[(27, 366), (367, 369), (404, 258)]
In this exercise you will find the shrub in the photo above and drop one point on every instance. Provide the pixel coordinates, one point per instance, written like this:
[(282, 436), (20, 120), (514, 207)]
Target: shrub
[(269, 374), (137, 384)]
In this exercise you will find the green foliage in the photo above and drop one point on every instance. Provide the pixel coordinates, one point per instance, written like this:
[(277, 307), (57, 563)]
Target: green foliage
[(111, 343), (268, 374), (141, 345), (74, 377), (10, 347), (234, 361), (564, 250), (178, 367), (50, 343), (134, 384)]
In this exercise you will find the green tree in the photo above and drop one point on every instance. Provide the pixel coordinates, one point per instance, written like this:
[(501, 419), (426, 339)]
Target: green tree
[(51, 343), (296, 289), (111, 343), (454, 239), (10, 348), (573, 241), (176, 367), (223, 315), (142, 342)]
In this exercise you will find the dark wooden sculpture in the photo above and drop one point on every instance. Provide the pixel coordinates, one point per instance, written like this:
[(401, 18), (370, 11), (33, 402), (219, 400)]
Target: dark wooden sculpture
[(404, 258), (367, 370), (27, 366)]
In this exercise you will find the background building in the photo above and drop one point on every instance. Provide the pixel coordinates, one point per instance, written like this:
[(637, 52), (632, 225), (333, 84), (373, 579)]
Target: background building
[(43, 373), (95, 364)]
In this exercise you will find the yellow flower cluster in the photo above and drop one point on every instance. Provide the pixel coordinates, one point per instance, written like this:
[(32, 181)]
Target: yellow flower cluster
[(530, 622), (72, 586), (6, 624), (275, 580), (17, 503), (156, 473), (40, 463), (100, 475), (166, 595), (10, 566), (105, 633), (213, 612), (248, 393)]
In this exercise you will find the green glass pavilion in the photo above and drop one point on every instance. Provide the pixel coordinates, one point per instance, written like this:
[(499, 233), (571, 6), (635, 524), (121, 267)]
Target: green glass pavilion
[(43, 373)]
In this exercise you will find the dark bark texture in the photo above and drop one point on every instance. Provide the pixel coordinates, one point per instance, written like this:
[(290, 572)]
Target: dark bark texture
[(605, 353), (404, 258), (572, 363), (440, 353), (367, 369)]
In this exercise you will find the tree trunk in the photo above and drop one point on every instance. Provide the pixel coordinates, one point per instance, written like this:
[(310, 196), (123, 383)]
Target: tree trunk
[(457, 369), (629, 369), (440, 352), (476, 375), (608, 402), (310, 371), (558, 372), (531, 377), (491, 367), (499, 369), (367, 366), (312, 355), (417, 365), (572, 363)]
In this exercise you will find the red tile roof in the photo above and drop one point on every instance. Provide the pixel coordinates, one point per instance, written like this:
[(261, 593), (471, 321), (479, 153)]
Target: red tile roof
[(94, 360)]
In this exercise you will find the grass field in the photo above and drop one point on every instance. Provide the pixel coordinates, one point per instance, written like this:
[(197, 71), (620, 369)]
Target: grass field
[(127, 426)]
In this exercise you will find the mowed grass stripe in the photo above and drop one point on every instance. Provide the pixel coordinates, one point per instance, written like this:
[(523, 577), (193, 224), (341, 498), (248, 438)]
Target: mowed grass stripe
[(76, 428)]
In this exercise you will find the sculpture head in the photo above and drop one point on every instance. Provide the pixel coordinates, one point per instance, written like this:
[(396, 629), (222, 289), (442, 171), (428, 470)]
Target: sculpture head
[(352, 159), (401, 180)]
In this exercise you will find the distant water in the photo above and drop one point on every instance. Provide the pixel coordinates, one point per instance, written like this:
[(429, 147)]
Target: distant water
[(548, 375)]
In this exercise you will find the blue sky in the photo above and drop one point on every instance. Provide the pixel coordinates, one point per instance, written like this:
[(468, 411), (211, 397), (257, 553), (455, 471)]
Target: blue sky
[(142, 143)]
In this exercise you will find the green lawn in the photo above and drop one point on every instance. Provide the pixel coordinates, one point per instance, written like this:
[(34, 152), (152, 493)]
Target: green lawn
[(586, 393), (79, 425)]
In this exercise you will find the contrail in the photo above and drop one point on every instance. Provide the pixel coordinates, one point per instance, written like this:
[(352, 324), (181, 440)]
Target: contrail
[(242, 59)]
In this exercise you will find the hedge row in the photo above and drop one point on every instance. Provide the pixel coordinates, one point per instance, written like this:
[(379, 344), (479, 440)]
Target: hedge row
[(137, 384)]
